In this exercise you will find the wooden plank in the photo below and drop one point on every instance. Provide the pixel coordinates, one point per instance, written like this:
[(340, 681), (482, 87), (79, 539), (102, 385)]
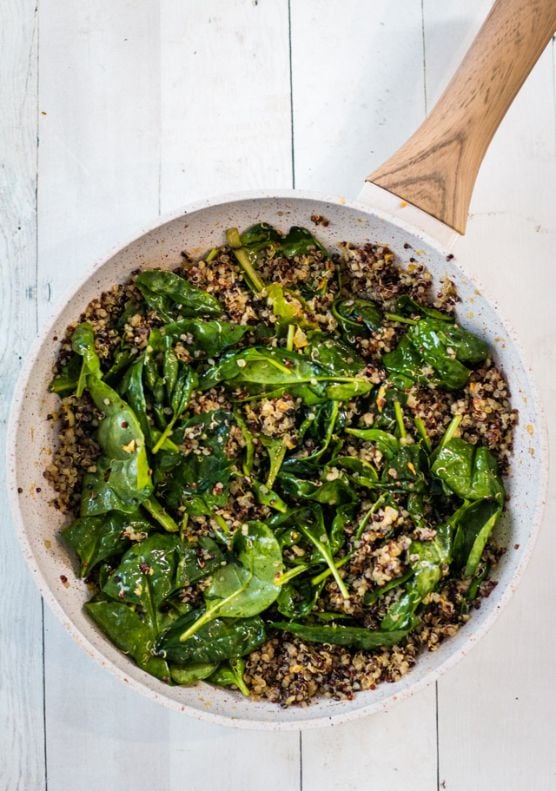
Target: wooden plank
[(358, 89), (21, 682), (496, 709), (358, 92), (106, 126), (393, 750), (225, 102)]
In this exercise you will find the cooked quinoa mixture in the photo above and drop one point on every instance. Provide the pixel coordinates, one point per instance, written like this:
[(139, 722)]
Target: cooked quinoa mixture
[(280, 465)]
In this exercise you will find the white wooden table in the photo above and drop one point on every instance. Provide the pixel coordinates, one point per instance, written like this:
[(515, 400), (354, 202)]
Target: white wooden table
[(113, 111)]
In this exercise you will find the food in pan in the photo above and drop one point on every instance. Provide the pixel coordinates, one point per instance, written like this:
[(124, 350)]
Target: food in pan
[(281, 465)]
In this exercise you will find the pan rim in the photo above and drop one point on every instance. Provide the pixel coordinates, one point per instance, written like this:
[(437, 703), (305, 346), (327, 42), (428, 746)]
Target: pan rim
[(204, 714)]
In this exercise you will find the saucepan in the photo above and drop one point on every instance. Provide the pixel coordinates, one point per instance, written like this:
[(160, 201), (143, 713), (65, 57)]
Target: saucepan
[(419, 197)]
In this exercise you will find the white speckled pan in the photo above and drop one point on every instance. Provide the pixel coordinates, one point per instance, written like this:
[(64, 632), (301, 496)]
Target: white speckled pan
[(197, 229)]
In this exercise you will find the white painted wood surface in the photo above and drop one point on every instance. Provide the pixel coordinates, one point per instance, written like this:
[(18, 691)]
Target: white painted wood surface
[(142, 107)]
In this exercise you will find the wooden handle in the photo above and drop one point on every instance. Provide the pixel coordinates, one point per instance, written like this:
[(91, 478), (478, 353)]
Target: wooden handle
[(437, 167)]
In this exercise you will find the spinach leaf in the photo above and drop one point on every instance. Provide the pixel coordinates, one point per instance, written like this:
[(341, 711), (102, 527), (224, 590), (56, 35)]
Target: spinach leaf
[(213, 642), (404, 364), (200, 479), (260, 236), (428, 561), (83, 344), (231, 675), (429, 340), (276, 449), (244, 587), (332, 356), (66, 381), (287, 308), (122, 480), (408, 306), (469, 471), (147, 574), (240, 590), (387, 443), (95, 538), (129, 632), (169, 293), (355, 636), (211, 337), (357, 316), (299, 241), (474, 526), (298, 598), (186, 676)]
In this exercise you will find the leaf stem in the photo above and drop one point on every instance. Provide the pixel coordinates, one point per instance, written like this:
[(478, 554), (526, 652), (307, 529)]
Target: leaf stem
[(153, 507), (164, 436), (398, 318), (399, 419), (420, 426), (327, 557), (253, 280)]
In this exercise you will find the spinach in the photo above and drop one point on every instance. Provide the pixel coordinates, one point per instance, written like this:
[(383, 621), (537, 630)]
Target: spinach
[(129, 632), (299, 241), (169, 294), (357, 316), (122, 480), (186, 676), (188, 581), (231, 675), (408, 306), (83, 344), (66, 381), (469, 471), (355, 636), (436, 344), (245, 586), (473, 528), (199, 479), (211, 337), (428, 561), (213, 642), (96, 538)]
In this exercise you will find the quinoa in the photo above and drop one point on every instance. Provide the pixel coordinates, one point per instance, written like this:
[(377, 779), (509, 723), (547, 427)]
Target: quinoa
[(285, 669)]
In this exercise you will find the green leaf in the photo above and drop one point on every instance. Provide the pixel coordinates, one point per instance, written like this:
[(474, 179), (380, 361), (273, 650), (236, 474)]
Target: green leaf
[(214, 642), (231, 675), (240, 590), (187, 676), (211, 337), (95, 538), (357, 316), (299, 241), (147, 574), (66, 381), (130, 633), (469, 471), (122, 480), (200, 479), (175, 295), (83, 344), (354, 636)]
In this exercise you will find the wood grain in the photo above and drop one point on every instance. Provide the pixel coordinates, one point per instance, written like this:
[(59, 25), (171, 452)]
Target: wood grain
[(21, 646), (436, 168)]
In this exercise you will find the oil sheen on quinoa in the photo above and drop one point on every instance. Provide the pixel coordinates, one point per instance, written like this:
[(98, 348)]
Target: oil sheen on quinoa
[(280, 465)]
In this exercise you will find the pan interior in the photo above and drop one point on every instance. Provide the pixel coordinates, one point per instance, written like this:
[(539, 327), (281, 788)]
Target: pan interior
[(32, 436)]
